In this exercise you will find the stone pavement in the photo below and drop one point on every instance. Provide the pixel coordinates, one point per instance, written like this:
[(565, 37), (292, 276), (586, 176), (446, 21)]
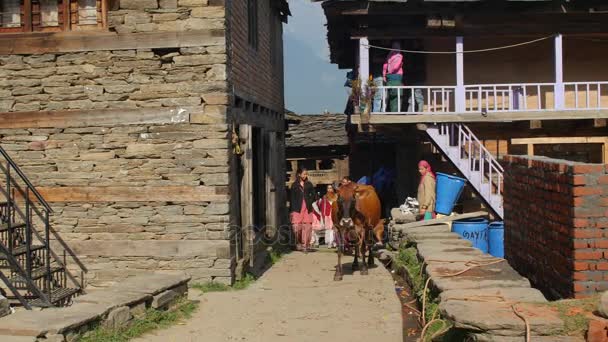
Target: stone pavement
[(297, 300)]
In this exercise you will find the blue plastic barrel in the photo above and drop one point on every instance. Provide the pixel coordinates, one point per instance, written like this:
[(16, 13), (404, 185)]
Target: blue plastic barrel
[(449, 189), (496, 239), (474, 230)]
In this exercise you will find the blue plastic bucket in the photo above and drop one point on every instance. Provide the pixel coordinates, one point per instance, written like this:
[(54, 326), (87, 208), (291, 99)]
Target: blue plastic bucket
[(474, 230), (449, 189), (496, 239)]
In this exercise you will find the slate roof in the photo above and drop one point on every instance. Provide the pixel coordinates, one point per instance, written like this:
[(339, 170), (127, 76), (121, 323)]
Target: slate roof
[(316, 130)]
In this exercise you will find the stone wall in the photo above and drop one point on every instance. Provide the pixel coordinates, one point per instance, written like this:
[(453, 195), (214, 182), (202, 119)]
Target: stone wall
[(134, 198), (556, 224), (131, 16), (115, 79)]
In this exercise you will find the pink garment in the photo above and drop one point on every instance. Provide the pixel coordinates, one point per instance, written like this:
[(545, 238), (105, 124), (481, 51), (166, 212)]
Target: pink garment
[(303, 216), (393, 65), (429, 170), (302, 224)]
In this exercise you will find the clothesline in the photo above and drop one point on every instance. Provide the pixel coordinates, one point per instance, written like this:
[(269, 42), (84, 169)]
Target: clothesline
[(454, 52)]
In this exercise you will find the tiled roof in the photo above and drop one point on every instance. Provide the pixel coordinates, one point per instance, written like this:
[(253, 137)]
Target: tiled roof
[(317, 130)]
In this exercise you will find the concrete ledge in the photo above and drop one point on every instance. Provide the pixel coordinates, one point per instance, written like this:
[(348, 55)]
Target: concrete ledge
[(113, 307)]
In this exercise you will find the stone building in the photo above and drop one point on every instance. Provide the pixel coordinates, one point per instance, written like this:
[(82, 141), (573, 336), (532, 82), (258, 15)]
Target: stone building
[(122, 112)]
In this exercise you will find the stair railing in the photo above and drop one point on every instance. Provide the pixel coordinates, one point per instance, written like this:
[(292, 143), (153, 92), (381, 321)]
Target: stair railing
[(36, 205), (477, 156)]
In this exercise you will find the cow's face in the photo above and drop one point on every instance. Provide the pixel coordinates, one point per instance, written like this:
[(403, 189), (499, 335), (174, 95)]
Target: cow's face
[(346, 205)]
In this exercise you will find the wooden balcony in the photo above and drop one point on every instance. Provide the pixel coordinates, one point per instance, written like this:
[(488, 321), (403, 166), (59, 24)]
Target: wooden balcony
[(492, 103)]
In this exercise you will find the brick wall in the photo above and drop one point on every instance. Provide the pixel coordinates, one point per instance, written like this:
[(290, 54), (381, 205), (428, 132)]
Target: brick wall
[(556, 224), (252, 72)]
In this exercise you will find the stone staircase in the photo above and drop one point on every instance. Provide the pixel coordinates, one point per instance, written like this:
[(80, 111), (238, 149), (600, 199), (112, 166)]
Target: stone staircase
[(34, 275), (458, 143)]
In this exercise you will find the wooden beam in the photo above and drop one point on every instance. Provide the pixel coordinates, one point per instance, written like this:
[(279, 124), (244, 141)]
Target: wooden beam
[(404, 227), (477, 117), (530, 149), (559, 140), (97, 117), (133, 194), (57, 42)]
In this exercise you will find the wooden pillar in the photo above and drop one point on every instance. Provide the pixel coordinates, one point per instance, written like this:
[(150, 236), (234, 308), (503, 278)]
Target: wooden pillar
[(460, 95), (560, 101), (363, 61), (27, 15)]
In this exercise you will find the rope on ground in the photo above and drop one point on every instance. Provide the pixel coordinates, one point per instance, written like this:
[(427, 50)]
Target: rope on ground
[(455, 52), (526, 322)]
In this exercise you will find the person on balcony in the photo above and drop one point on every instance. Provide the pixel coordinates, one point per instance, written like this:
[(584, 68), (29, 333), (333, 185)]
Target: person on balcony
[(392, 71), (302, 197), (377, 61), (426, 190)]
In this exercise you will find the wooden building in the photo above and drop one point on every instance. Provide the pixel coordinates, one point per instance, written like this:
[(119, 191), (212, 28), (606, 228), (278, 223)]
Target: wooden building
[(491, 78), (318, 143), (122, 112)]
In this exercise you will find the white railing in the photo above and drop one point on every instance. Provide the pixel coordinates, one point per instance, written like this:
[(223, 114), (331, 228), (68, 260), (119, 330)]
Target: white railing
[(415, 100), (510, 97), (491, 98), (474, 160), (586, 95)]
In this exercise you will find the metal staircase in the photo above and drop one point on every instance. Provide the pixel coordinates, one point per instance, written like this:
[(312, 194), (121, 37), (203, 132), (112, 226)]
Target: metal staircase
[(474, 161), (33, 274)]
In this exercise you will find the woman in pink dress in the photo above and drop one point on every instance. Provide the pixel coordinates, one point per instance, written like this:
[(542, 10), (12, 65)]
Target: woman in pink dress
[(322, 221), (302, 198)]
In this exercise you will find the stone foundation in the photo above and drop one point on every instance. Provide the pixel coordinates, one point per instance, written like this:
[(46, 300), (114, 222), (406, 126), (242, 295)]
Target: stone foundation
[(112, 307)]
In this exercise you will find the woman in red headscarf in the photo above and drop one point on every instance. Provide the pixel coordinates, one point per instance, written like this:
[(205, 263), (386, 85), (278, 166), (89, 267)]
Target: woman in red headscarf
[(426, 190)]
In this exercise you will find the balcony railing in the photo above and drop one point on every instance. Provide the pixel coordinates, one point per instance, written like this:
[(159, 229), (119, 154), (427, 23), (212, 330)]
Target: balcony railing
[(491, 98)]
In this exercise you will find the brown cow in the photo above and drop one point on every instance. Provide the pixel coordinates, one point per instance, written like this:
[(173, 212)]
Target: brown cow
[(356, 213)]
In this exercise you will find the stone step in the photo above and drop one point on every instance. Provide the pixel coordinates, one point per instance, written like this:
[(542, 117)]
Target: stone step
[(497, 275), (518, 294), (534, 338), (493, 318)]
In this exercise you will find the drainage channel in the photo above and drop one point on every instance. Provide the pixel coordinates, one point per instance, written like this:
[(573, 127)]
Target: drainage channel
[(409, 312)]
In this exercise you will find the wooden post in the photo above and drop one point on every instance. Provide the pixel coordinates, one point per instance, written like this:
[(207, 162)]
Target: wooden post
[(104, 14), (363, 62), (530, 149), (560, 101), (27, 15), (67, 15), (460, 90)]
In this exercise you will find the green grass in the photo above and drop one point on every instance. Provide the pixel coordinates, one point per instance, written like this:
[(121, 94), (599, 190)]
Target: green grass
[(212, 286), (152, 320), (407, 258), (574, 313)]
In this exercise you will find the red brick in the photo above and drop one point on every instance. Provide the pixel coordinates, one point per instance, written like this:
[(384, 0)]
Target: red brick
[(598, 329), (602, 266), (579, 180), (587, 233), (580, 223), (602, 180), (581, 266), (587, 168), (582, 244), (587, 190), (587, 255), (603, 243)]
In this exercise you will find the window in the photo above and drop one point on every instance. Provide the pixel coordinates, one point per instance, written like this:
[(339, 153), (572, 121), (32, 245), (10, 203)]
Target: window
[(52, 15), (252, 21), (10, 13)]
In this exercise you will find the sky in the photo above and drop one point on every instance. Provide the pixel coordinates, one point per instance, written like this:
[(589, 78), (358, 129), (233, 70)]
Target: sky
[(312, 84)]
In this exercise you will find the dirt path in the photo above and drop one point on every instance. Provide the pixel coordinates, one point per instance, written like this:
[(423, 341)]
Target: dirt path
[(297, 300)]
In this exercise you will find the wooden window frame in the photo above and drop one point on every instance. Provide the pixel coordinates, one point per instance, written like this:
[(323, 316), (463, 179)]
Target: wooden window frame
[(66, 8), (252, 23)]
